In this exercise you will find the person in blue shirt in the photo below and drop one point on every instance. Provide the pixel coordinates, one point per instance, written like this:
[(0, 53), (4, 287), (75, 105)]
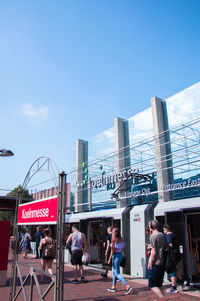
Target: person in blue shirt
[(38, 238)]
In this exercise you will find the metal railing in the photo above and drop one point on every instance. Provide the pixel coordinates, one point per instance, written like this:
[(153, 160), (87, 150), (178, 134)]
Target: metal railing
[(33, 278)]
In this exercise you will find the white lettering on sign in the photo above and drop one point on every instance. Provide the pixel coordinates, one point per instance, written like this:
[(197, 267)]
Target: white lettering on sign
[(44, 212), (181, 185), (118, 177), (166, 187)]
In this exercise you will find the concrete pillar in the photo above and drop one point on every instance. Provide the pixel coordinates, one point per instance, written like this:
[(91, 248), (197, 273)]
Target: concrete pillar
[(81, 192), (162, 147), (122, 155)]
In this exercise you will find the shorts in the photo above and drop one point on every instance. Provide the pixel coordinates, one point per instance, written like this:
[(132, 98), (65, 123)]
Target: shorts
[(155, 276), (107, 258), (173, 274), (76, 257)]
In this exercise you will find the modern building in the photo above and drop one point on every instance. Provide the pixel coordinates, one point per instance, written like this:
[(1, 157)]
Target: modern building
[(153, 156)]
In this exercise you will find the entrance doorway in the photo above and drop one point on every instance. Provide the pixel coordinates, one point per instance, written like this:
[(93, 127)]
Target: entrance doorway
[(96, 230), (95, 241), (192, 226), (185, 224)]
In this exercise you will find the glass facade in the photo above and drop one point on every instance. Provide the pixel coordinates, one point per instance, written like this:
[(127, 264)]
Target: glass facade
[(183, 114), (141, 153), (101, 162), (142, 156)]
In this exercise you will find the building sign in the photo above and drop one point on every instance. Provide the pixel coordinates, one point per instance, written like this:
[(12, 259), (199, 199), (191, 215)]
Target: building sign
[(117, 177), (189, 183), (182, 185), (38, 212)]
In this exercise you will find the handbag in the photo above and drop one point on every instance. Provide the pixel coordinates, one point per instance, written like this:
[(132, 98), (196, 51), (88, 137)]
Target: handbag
[(123, 262), (85, 258)]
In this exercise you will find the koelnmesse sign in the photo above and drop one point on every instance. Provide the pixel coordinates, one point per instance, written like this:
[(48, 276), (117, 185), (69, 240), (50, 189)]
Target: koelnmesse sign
[(42, 211), (117, 177)]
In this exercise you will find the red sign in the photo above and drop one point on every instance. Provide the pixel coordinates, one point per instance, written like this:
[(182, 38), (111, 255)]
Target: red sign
[(38, 212)]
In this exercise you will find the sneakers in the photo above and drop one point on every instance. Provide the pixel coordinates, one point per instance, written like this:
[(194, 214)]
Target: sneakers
[(129, 290), (83, 279), (75, 281), (172, 290), (113, 290), (104, 275)]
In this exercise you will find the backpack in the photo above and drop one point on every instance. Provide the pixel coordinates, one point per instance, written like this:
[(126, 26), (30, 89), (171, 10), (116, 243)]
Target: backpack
[(169, 262), (177, 255), (50, 249)]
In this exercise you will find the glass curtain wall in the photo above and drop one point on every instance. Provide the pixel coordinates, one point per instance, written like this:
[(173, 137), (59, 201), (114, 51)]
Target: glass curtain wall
[(184, 123), (142, 157), (101, 158)]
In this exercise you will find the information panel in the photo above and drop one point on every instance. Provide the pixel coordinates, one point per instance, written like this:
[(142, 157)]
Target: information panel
[(42, 211)]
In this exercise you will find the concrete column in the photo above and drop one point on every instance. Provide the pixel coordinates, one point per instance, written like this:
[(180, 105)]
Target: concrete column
[(162, 147), (122, 156), (80, 192)]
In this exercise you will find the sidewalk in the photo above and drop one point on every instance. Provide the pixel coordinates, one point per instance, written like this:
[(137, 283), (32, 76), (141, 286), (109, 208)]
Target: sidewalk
[(95, 289)]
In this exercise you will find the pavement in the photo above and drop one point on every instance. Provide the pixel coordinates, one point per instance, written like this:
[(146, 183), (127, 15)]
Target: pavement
[(95, 288)]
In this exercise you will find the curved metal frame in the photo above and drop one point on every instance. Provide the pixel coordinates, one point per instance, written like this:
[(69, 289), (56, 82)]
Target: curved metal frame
[(39, 167)]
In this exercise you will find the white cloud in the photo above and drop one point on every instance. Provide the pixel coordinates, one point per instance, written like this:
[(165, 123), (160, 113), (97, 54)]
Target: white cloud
[(184, 106), (35, 113)]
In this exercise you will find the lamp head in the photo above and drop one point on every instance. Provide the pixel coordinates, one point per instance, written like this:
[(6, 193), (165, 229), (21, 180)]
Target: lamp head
[(6, 153)]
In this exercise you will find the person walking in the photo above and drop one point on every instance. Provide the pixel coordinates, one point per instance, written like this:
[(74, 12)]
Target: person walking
[(26, 243), (107, 250), (117, 245), (78, 248), (156, 262), (172, 243), (38, 238), (47, 251)]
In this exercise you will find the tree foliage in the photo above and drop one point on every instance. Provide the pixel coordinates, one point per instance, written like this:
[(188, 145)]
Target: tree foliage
[(26, 194)]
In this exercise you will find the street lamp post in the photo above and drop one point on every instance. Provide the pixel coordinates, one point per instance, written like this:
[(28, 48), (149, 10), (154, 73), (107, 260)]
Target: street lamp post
[(6, 153)]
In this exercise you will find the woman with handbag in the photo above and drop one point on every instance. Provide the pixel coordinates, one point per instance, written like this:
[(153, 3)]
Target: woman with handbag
[(117, 246)]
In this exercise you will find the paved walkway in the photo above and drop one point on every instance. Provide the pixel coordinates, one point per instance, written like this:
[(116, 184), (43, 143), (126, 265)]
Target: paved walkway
[(96, 288)]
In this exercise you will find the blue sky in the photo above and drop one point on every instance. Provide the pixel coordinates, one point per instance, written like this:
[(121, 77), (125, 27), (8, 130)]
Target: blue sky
[(68, 68)]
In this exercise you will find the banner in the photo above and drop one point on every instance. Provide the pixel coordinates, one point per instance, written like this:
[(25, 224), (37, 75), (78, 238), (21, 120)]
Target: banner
[(38, 212)]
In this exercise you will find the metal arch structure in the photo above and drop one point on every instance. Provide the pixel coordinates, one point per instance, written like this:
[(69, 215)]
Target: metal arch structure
[(43, 164)]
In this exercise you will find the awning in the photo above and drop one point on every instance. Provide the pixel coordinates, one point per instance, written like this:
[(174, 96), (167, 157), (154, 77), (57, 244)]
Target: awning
[(161, 208), (116, 213)]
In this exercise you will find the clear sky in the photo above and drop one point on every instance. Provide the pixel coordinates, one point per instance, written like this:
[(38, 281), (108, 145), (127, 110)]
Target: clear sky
[(68, 68)]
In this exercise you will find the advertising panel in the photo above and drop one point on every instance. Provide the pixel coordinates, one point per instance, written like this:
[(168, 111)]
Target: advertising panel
[(42, 211)]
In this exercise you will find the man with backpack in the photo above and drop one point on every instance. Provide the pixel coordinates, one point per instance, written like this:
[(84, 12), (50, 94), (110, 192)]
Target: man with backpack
[(78, 247), (173, 256)]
